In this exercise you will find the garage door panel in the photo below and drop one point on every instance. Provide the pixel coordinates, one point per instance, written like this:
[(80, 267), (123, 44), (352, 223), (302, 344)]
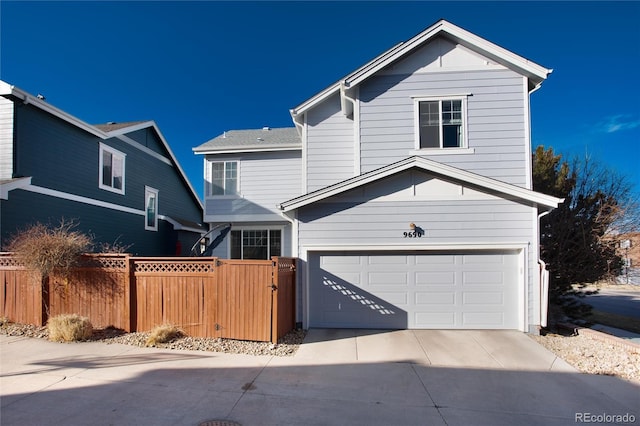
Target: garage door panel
[(439, 298), (436, 319), (414, 290), (483, 298), (483, 319), (386, 260), (441, 259), (387, 279), (482, 278), (435, 278)]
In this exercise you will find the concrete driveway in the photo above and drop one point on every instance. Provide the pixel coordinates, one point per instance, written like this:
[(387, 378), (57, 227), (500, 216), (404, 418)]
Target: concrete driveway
[(338, 377)]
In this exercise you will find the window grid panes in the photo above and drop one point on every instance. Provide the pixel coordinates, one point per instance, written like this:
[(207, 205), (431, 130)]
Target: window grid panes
[(441, 123), (255, 244), (224, 178)]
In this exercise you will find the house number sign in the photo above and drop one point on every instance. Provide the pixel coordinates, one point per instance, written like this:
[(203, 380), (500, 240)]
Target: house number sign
[(413, 234), (416, 231)]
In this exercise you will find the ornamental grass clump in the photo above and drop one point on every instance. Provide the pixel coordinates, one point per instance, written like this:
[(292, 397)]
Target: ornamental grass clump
[(163, 334), (69, 328), (45, 248)]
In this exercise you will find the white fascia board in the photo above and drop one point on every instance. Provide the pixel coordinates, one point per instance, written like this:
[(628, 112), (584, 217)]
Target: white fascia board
[(315, 100), (7, 89), (177, 226), (428, 166), (246, 149), (493, 51), (485, 47), (11, 184), (132, 128)]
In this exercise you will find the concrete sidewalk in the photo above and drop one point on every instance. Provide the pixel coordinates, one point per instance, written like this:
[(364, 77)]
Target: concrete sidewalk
[(350, 377)]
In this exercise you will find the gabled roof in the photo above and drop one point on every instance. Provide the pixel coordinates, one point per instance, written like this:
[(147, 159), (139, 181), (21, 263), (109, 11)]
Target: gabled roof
[(429, 166), (103, 131), (265, 139), (534, 72)]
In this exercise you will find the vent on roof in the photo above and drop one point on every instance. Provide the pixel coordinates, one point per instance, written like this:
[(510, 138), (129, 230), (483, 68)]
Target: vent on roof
[(111, 122), (41, 97), (260, 139), (266, 128)]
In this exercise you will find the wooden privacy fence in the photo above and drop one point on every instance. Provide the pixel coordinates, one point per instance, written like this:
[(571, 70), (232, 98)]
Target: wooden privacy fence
[(206, 297)]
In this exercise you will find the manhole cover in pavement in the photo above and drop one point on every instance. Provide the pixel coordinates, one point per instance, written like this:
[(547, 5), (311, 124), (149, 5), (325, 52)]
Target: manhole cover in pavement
[(219, 423)]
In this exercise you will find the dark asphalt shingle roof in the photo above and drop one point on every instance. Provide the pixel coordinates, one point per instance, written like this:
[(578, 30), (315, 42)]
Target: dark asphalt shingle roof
[(286, 137), (110, 127)]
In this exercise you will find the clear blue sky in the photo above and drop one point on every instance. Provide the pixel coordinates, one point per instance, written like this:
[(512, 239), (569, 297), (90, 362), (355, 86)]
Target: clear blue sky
[(200, 68)]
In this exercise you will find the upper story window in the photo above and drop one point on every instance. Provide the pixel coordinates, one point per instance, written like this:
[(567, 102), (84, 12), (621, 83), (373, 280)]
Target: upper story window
[(151, 209), (441, 122), (224, 178), (111, 169)]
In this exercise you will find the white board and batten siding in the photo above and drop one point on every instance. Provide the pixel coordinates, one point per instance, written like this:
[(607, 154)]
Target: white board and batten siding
[(6, 138)]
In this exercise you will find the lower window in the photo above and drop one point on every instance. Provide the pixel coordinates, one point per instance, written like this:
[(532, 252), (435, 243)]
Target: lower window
[(255, 243)]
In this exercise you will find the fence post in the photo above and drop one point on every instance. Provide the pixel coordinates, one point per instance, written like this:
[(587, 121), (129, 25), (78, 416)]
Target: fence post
[(45, 292), (133, 293), (274, 300)]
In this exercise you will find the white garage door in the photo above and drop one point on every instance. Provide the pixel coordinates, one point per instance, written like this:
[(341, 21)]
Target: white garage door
[(390, 290)]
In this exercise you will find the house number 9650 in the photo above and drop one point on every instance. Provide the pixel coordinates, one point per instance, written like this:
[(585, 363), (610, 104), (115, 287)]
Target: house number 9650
[(412, 234)]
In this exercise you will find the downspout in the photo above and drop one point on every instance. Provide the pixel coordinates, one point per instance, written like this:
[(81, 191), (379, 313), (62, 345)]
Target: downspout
[(344, 97), (544, 280)]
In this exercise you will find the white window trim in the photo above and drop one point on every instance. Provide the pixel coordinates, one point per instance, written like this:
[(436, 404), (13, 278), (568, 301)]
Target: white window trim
[(209, 178), (147, 191), (257, 228), (464, 149), (114, 153)]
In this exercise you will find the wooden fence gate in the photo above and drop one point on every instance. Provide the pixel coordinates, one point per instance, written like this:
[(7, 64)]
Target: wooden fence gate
[(206, 297)]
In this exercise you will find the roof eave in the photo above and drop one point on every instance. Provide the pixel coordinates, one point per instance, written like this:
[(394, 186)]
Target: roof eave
[(237, 150), (536, 198)]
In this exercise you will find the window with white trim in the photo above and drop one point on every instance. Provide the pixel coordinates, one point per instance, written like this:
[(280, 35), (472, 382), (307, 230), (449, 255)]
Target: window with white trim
[(255, 243), (224, 178), (441, 122), (111, 169), (150, 209)]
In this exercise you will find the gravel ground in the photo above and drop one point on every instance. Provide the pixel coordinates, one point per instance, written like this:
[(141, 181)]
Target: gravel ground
[(584, 353), (593, 356), (287, 346)]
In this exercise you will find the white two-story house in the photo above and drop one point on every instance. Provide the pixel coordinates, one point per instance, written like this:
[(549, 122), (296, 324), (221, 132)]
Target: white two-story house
[(404, 188)]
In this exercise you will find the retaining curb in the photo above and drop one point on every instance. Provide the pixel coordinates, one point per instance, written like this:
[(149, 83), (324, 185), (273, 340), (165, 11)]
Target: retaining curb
[(604, 337)]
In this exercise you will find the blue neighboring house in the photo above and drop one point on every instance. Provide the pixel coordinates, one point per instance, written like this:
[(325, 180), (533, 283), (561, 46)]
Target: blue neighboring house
[(119, 181)]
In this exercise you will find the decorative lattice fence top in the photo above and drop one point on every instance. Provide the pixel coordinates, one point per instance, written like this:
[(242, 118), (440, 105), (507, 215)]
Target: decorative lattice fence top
[(177, 266), (9, 261), (118, 262)]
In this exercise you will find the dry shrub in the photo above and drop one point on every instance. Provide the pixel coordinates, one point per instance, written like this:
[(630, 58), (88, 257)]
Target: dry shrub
[(43, 248), (69, 328), (163, 334)]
